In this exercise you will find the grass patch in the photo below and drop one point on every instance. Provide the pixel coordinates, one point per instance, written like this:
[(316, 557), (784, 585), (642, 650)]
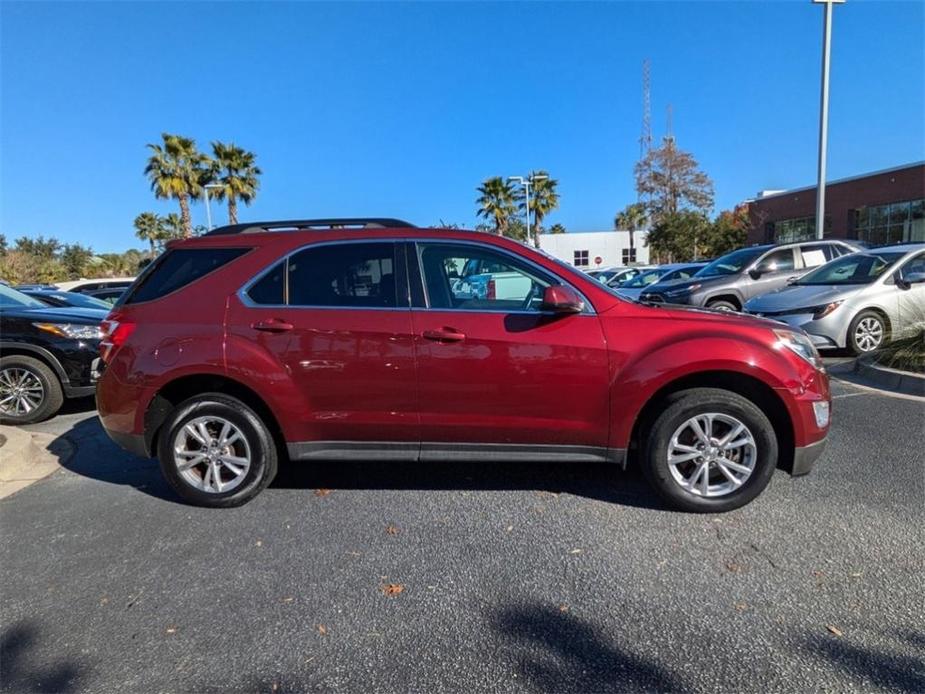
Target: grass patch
[(905, 355)]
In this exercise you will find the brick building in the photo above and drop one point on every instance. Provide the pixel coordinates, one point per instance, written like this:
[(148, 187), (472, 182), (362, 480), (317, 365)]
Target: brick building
[(880, 207)]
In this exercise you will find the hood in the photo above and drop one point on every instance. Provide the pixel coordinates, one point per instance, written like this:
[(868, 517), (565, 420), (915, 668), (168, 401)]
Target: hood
[(715, 316), (675, 285), (81, 316), (796, 297)]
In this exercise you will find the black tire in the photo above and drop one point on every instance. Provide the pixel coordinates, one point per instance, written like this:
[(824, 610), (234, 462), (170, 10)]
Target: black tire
[(259, 440), (52, 395), (722, 305), (679, 408), (867, 315)]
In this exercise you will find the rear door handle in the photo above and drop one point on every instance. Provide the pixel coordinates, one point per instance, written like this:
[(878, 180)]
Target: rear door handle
[(444, 335), (272, 325)]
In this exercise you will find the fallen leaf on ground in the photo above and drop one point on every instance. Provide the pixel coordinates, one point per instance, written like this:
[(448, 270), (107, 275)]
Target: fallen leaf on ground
[(322, 492), (322, 629), (288, 599), (741, 606), (391, 530), (575, 551), (259, 543), (856, 574), (103, 601), (171, 630), (509, 528), (563, 608), (733, 568), (835, 630), (392, 589)]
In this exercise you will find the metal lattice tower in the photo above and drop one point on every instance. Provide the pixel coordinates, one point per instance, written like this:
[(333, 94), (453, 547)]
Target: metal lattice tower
[(645, 139)]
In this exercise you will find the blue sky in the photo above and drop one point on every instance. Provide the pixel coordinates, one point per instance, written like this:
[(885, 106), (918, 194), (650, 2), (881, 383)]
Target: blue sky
[(402, 109)]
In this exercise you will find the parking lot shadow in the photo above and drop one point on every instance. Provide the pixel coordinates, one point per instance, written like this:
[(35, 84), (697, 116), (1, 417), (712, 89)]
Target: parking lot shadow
[(22, 673), (99, 458), (559, 652)]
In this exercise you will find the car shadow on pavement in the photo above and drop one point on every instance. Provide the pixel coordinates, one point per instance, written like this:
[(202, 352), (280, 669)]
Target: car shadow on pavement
[(886, 671), (559, 652), (99, 458), (20, 672)]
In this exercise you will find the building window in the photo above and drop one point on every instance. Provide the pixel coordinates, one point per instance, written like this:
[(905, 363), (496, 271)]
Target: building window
[(629, 256), (581, 258), (798, 229), (892, 223)]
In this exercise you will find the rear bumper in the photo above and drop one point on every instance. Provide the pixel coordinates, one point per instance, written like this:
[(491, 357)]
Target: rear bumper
[(804, 457)]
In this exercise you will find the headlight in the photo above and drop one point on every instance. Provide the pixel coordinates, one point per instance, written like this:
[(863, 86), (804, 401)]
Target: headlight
[(74, 331), (799, 344), (823, 311)]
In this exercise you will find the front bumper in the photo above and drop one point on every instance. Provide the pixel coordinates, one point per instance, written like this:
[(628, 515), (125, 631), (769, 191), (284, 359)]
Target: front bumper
[(823, 332), (804, 457)]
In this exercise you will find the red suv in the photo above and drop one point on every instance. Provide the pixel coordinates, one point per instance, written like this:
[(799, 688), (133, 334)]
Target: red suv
[(372, 339)]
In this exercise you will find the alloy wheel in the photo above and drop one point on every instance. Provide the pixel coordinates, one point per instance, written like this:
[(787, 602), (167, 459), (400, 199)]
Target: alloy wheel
[(868, 334), (712, 454), (212, 454), (21, 391)]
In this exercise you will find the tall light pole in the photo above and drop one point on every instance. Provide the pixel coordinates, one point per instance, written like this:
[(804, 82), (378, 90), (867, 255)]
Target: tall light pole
[(824, 113), (526, 183), (205, 195)]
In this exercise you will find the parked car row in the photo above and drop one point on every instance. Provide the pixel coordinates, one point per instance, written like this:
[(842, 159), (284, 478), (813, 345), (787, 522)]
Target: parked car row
[(843, 294)]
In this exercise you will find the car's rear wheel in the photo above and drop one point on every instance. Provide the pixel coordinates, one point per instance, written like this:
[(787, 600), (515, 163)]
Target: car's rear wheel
[(722, 305), (29, 390), (867, 332), (215, 451), (710, 451)]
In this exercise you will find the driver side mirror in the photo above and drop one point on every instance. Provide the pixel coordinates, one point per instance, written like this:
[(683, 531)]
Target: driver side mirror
[(561, 299), (906, 281), (754, 273)]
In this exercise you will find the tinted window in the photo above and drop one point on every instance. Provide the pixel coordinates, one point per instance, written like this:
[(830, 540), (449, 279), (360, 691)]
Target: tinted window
[(346, 274), (269, 290), (12, 298), (504, 285), (778, 261), (178, 268), (644, 279)]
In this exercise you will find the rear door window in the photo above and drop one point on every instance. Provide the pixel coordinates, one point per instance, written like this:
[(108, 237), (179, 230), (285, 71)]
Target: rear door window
[(348, 275), (178, 268), (817, 254)]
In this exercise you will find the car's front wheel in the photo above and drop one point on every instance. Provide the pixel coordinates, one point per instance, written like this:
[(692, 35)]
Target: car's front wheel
[(215, 451), (709, 451), (29, 390), (867, 332)]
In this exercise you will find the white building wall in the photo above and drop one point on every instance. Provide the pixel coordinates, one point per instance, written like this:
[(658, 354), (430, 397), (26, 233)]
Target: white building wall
[(606, 245)]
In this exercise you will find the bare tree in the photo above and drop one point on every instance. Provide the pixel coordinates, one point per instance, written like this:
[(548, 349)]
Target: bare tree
[(669, 180)]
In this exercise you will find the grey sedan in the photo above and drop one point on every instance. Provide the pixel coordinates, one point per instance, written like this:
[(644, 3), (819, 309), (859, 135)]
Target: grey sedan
[(859, 301)]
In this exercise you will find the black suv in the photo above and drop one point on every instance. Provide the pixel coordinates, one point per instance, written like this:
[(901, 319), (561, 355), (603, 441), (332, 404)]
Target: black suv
[(731, 280), (46, 355)]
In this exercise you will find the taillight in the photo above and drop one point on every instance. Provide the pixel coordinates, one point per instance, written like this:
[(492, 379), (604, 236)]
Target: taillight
[(115, 333), (490, 292)]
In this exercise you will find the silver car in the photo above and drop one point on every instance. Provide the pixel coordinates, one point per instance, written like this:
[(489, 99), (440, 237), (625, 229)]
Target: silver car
[(859, 301), (663, 274)]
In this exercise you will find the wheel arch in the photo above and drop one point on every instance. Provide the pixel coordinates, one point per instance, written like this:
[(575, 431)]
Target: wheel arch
[(182, 388), (875, 309), (729, 295), (749, 387), (9, 349)]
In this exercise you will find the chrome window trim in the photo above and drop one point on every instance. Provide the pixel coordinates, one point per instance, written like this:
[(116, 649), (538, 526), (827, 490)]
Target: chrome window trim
[(245, 299), (588, 309)]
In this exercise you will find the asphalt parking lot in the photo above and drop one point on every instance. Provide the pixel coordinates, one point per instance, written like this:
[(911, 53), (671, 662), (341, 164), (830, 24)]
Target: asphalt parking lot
[(501, 578)]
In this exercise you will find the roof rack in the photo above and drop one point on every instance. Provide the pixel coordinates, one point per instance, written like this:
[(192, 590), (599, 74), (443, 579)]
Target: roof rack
[(304, 224)]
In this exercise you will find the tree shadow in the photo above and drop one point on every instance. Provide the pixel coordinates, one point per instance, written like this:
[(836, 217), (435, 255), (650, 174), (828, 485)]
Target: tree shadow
[(99, 458), (20, 674), (561, 653), (885, 670)]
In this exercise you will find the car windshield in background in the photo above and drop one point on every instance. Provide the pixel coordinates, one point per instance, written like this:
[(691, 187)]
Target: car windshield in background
[(10, 298), (858, 268), (731, 263), (644, 279)]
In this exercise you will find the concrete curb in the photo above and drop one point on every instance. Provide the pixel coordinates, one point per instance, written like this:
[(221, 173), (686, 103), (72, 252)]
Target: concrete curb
[(26, 458), (894, 380)]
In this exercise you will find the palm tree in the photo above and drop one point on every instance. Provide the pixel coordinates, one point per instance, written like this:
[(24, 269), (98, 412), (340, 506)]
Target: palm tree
[(557, 229), (172, 226), (178, 170), (632, 218), (149, 227), (543, 200), (496, 202), (234, 168)]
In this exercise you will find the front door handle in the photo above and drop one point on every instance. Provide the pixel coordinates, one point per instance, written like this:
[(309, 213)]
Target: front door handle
[(272, 325), (444, 335)]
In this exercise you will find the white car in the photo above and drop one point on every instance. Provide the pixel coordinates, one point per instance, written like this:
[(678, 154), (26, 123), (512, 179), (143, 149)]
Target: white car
[(84, 286)]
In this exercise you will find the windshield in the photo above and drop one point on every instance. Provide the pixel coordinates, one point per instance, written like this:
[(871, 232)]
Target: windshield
[(644, 279), (731, 263), (858, 268), (10, 298)]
